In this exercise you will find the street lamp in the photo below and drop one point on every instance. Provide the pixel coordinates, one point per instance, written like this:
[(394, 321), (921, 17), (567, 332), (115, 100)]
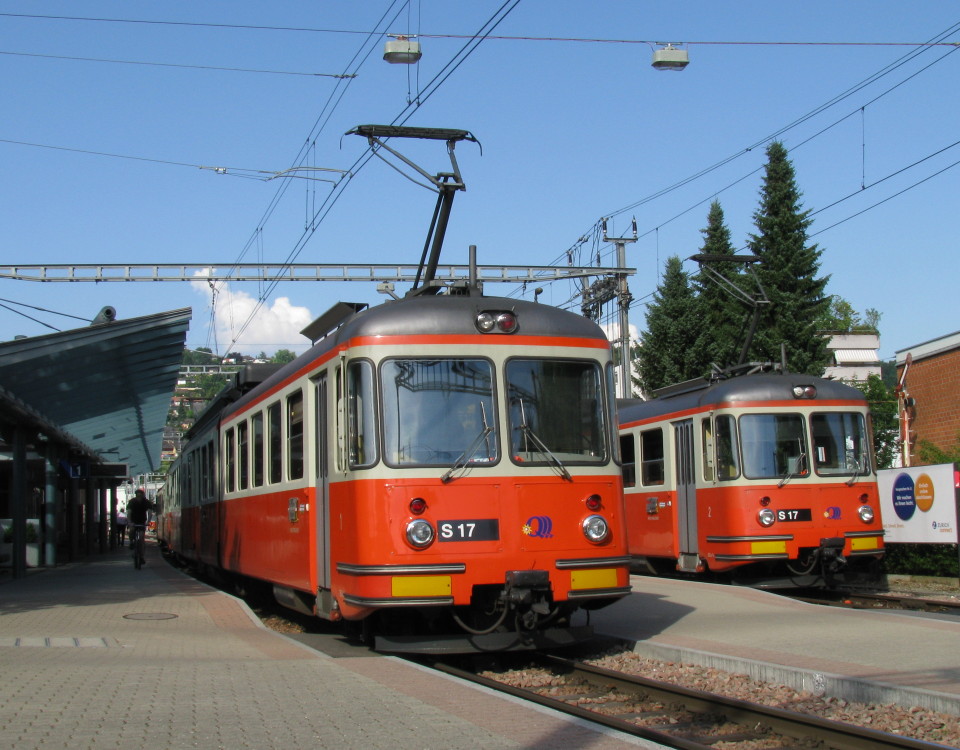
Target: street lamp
[(670, 58), (401, 50)]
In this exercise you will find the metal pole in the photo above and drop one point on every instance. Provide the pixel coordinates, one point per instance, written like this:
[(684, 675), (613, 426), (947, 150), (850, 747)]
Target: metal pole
[(51, 507)]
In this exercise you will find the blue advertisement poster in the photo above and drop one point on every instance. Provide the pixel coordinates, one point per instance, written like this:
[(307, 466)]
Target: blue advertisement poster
[(918, 504)]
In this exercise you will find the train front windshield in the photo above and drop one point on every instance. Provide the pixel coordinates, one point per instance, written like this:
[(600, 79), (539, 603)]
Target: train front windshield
[(438, 411), (556, 411)]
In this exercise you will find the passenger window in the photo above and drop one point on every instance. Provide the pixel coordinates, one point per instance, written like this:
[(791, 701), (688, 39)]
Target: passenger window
[(629, 458), (276, 442), (707, 450), (229, 463), (243, 457), (295, 435), (651, 455), (256, 428)]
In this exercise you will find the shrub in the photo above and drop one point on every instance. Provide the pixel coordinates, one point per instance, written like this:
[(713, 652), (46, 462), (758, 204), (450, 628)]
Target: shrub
[(922, 560)]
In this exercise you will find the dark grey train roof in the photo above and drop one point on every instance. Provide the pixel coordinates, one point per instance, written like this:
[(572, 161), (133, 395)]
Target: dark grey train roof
[(440, 314), (744, 388)]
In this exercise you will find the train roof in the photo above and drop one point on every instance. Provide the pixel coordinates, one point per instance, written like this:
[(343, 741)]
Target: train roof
[(439, 314), (766, 386)]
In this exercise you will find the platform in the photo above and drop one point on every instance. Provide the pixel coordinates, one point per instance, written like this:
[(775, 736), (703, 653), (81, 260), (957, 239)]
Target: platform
[(870, 656), (99, 654)]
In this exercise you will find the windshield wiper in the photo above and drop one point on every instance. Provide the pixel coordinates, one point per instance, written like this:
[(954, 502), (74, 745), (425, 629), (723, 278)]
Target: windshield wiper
[(857, 470), (542, 449), (464, 458), (798, 468)]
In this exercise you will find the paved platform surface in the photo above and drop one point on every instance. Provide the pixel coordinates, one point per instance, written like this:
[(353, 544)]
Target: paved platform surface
[(100, 655), (863, 655)]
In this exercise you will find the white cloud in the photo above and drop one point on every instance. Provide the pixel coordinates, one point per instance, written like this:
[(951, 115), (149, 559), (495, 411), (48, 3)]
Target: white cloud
[(275, 325)]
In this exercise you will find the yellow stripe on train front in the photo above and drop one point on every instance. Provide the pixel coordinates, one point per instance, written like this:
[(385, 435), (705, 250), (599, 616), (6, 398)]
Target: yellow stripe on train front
[(421, 586), (603, 578), (768, 548)]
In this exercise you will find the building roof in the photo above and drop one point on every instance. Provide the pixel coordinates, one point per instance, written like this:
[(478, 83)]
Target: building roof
[(107, 385), (855, 356)]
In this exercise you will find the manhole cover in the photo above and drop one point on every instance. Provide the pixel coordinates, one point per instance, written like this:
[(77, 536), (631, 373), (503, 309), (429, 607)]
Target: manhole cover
[(150, 616)]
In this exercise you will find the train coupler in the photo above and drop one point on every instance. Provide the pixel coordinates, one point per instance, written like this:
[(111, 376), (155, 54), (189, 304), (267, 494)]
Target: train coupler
[(528, 589)]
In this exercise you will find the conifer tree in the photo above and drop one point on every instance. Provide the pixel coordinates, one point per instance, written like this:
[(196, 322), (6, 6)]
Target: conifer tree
[(787, 271), (663, 357), (722, 315)]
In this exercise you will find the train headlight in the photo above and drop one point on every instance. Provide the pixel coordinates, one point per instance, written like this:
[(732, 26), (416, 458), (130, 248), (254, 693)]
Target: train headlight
[(866, 513), (767, 517), (595, 529), (497, 321), (420, 533), (804, 391)]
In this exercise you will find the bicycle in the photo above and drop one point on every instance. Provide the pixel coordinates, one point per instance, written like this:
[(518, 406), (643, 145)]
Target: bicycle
[(137, 532)]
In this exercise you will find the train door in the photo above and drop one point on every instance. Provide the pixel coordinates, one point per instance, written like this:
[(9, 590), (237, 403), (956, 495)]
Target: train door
[(686, 496), (322, 496)]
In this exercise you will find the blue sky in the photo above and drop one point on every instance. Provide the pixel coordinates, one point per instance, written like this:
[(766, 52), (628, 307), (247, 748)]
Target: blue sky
[(571, 131)]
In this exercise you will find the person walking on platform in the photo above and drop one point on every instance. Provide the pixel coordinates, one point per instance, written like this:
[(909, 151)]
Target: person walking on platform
[(137, 511), (121, 527)]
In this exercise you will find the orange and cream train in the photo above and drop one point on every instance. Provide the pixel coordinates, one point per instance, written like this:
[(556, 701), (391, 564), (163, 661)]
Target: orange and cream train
[(767, 479), (440, 469)]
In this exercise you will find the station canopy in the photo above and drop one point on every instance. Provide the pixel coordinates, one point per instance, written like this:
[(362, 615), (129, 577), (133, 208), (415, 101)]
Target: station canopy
[(107, 385)]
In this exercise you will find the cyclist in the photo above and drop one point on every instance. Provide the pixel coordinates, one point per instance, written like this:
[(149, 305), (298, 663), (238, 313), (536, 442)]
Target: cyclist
[(137, 510)]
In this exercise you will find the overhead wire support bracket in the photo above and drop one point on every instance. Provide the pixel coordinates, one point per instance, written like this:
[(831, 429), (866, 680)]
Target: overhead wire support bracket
[(445, 184)]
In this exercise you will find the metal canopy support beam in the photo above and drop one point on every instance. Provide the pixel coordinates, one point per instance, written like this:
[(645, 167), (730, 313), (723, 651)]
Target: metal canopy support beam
[(127, 272)]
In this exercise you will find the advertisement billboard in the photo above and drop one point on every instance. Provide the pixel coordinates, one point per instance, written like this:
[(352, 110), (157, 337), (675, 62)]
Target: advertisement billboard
[(918, 504)]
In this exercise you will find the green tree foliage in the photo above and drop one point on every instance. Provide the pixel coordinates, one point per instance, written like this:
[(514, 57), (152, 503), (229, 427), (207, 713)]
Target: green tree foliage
[(928, 453), (883, 415), (663, 356), (787, 271), (282, 356), (722, 316), (201, 356), (840, 317)]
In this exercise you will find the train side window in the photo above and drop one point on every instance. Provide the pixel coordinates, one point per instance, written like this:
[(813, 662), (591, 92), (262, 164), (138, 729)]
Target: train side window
[(256, 439), (707, 449), (243, 456), (361, 422), (651, 456), (229, 461), (725, 438), (295, 435), (275, 439), (629, 458)]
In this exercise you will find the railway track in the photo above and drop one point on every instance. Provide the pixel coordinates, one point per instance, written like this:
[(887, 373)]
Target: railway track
[(870, 600), (674, 716)]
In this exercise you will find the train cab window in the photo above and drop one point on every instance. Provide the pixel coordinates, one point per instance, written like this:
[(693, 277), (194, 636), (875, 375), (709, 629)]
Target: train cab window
[(275, 441), (295, 435), (725, 447), (438, 412), (361, 418), (557, 412), (243, 455), (629, 457), (651, 457), (840, 444), (229, 461), (773, 446), (257, 443)]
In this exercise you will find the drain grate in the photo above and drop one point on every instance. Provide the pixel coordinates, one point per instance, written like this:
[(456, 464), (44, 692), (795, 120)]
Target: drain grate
[(150, 616)]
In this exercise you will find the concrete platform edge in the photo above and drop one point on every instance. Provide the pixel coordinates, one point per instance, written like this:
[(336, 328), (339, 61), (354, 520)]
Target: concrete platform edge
[(817, 683)]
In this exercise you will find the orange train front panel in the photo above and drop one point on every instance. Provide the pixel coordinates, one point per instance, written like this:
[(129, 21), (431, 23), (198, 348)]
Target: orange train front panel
[(483, 530)]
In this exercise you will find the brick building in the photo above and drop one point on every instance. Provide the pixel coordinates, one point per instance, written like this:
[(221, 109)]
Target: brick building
[(931, 393)]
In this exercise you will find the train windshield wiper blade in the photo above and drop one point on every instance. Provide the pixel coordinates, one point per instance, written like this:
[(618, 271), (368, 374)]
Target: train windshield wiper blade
[(464, 458), (544, 451)]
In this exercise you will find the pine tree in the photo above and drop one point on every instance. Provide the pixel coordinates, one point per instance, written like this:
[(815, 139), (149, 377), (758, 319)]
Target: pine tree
[(787, 271), (722, 315), (664, 357)]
